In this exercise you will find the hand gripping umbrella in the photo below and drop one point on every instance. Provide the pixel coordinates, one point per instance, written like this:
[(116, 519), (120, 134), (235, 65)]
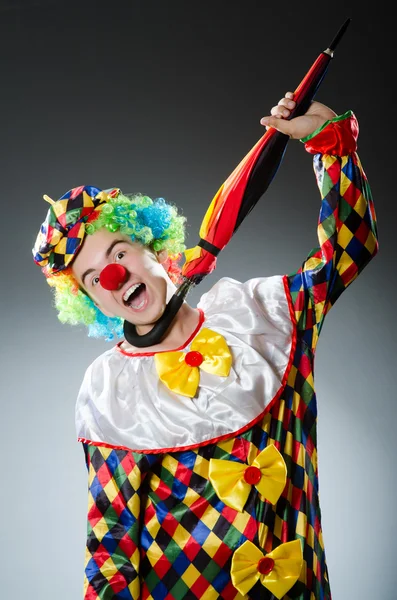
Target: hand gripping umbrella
[(235, 199)]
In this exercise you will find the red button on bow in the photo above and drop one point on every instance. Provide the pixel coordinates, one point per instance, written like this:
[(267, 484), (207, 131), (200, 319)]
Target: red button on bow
[(265, 565), (194, 358), (252, 475)]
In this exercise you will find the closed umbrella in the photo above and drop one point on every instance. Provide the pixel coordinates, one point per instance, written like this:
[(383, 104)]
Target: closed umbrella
[(235, 199)]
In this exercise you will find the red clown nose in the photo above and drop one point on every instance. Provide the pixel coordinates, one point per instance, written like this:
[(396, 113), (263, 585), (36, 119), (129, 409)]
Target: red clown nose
[(112, 276)]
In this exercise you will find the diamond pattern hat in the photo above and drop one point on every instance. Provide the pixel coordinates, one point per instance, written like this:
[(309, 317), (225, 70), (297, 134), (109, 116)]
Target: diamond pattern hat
[(63, 231)]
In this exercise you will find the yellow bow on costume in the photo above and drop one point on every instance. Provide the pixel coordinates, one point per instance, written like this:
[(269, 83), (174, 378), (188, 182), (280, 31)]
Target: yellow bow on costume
[(179, 371), (232, 481), (277, 571)]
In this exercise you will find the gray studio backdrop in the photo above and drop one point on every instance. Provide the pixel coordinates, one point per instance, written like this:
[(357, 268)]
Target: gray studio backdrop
[(165, 98)]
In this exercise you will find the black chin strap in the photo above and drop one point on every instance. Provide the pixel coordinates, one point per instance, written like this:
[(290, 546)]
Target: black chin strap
[(155, 335)]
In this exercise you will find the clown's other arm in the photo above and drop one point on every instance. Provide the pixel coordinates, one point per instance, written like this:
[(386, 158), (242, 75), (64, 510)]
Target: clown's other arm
[(347, 231)]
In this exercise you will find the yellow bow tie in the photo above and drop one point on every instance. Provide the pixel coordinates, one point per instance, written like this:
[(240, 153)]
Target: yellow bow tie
[(232, 481), (179, 371), (277, 571)]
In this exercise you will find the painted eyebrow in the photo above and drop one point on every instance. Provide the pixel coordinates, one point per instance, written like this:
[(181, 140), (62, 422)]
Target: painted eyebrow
[(107, 254)]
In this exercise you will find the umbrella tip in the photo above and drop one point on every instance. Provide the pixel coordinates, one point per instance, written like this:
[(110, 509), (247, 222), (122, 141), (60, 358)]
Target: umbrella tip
[(339, 35)]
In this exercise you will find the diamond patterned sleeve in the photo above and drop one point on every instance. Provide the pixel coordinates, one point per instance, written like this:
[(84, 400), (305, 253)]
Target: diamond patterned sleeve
[(112, 555), (346, 229)]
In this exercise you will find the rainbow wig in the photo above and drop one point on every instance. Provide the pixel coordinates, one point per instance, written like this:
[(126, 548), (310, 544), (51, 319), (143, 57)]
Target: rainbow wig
[(154, 223)]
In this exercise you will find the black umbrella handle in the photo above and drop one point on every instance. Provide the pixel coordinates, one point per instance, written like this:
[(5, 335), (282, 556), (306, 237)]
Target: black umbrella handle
[(158, 331)]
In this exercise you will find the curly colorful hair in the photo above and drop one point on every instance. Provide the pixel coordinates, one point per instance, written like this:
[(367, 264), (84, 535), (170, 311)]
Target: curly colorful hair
[(154, 223)]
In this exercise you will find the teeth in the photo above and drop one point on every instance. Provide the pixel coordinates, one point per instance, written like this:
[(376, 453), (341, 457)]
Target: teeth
[(130, 291)]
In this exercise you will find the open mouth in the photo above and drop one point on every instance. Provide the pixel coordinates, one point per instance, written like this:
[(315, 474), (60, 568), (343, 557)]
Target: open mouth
[(135, 296)]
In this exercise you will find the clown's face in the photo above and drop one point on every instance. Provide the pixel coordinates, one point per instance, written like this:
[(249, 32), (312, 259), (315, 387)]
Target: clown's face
[(141, 296)]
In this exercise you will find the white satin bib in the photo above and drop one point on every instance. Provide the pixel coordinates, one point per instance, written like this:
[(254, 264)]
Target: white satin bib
[(123, 403)]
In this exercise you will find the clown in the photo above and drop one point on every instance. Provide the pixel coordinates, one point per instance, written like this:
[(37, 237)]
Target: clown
[(201, 448)]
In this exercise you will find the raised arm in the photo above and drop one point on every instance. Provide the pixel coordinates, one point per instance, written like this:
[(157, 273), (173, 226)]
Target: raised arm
[(346, 226)]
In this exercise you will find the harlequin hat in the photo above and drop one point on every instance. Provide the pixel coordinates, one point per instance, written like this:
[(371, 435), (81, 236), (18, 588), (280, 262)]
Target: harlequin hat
[(63, 231)]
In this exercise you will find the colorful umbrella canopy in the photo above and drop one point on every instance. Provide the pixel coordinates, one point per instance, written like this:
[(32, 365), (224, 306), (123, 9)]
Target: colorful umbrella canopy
[(244, 187), (235, 199)]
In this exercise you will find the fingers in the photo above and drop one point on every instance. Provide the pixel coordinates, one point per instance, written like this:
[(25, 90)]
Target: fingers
[(284, 107), (280, 111), (277, 123)]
